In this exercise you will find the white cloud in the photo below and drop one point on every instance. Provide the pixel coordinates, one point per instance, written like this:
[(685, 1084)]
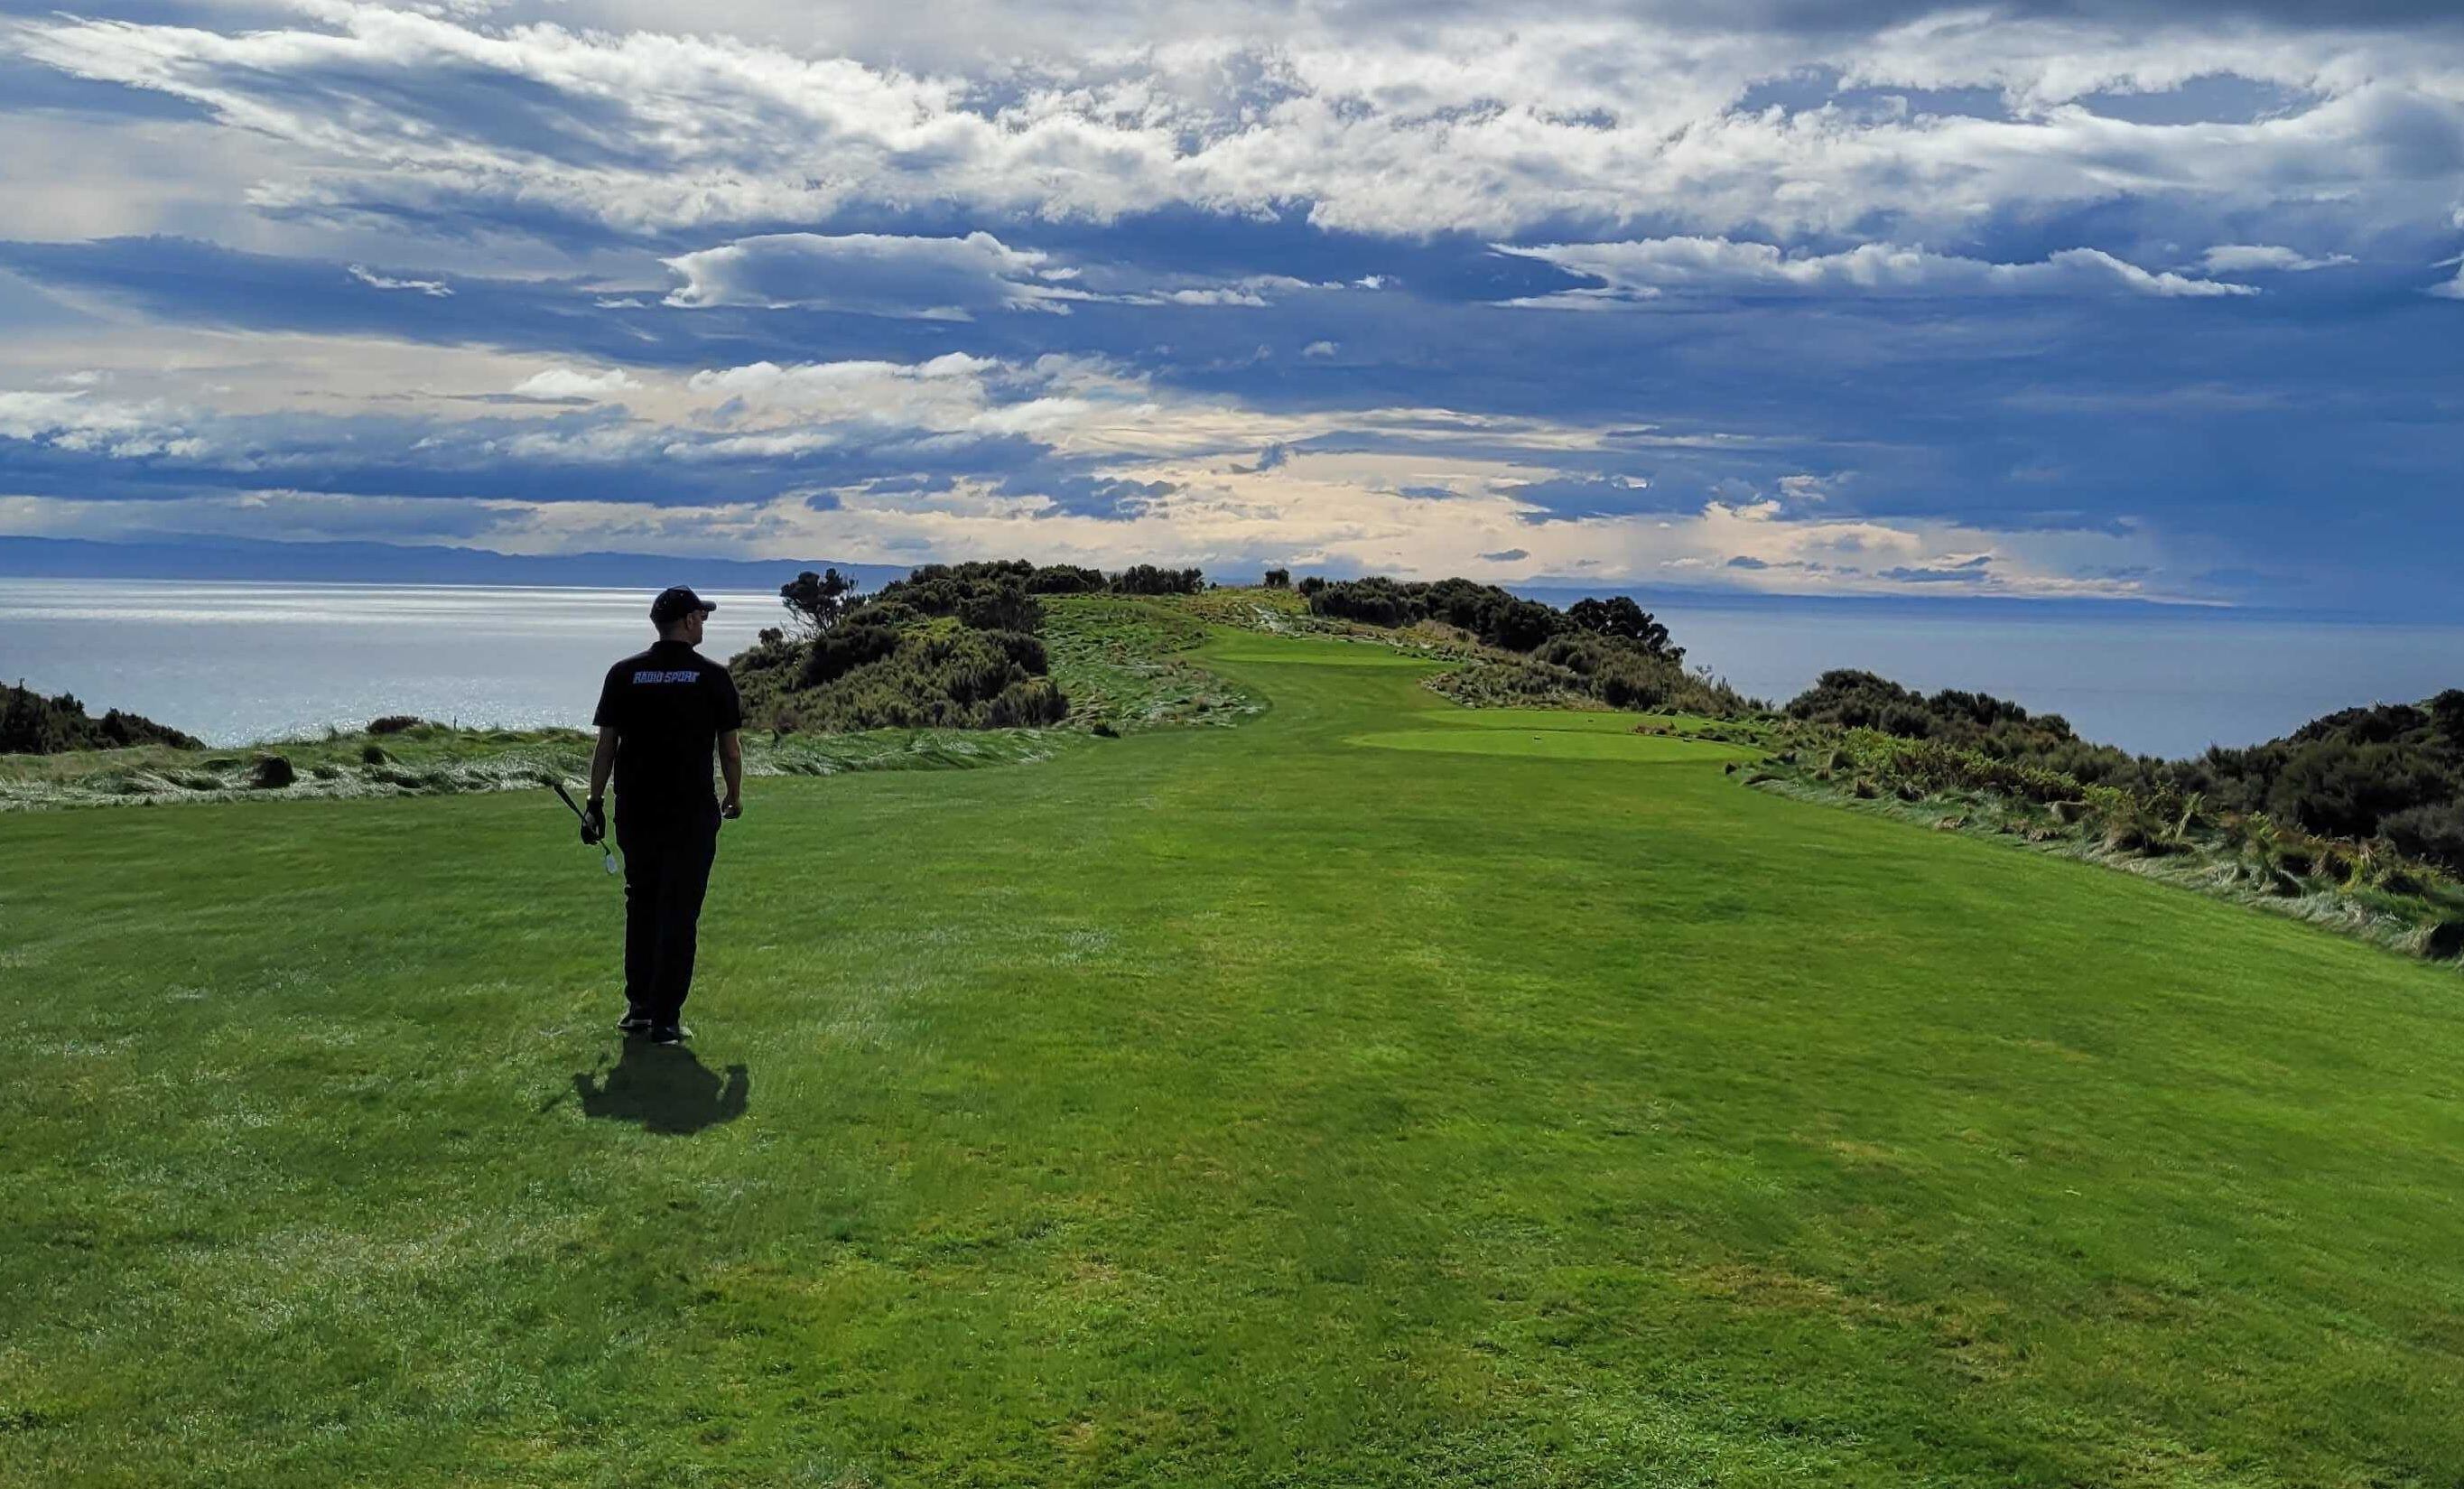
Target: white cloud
[(2226, 258), (433, 288), (573, 383), (1645, 269), (873, 273), (1343, 488), (1331, 511), (120, 430), (2450, 289), (932, 279), (1319, 349), (1492, 125)]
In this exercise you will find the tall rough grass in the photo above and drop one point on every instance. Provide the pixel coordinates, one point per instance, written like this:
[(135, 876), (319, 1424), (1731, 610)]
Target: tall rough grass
[(2365, 889)]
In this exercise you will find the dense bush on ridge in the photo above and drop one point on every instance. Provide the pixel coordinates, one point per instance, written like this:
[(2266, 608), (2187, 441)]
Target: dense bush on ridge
[(1612, 650), (1145, 579), (2394, 771), (31, 724), (950, 646)]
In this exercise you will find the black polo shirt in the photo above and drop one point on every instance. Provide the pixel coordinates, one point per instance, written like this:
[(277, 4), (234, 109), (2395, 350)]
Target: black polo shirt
[(669, 705)]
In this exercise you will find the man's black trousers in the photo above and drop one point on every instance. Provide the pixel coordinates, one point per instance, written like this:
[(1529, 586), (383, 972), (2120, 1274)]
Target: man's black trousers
[(667, 870)]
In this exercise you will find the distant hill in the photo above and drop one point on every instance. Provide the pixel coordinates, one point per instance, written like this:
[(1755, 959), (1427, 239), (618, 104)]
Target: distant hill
[(390, 563)]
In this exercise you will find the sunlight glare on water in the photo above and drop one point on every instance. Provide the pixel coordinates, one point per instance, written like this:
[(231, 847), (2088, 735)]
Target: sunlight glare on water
[(233, 661), (236, 662)]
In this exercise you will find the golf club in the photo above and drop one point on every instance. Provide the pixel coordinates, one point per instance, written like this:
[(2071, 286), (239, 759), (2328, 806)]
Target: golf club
[(606, 857)]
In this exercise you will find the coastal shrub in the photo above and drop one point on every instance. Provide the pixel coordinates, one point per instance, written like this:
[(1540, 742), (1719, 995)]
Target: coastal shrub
[(1005, 607), (31, 724), (2433, 834), (987, 595), (818, 602), (1520, 625), (1065, 579), (1620, 619), (1146, 579), (1278, 578), (271, 772), (1630, 682), (838, 652), (373, 755), (1027, 705), (2344, 789), (1611, 650), (2442, 941), (951, 645)]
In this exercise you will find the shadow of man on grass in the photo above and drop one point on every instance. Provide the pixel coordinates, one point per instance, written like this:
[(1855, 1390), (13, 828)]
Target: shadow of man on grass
[(665, 1088)]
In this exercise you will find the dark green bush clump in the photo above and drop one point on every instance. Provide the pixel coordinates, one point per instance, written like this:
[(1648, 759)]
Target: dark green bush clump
[(1065, 579), (1993, 727), (1498, 618), (31, 724), (2431, 833), (1145, 579), (394, 723), (2392, 770), (1612, 650), (987, 596), (271, 773), (951, 645)]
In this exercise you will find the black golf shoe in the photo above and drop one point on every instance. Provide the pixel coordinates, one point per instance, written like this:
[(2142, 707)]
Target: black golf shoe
[(634, 1021), (670, 1034)]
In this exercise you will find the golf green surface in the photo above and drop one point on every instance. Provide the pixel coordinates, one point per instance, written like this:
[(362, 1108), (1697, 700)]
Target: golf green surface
[(1241, 1106)]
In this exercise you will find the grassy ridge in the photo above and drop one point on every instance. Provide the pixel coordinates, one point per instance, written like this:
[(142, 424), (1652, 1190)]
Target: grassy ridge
[(1132, 664), (1126, 664), (438, 759), (1211, 1107)]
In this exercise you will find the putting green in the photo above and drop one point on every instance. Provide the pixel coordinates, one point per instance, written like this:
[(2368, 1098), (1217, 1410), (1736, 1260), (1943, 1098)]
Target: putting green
[(1556, 745), (1561, 720), (1317, 653)]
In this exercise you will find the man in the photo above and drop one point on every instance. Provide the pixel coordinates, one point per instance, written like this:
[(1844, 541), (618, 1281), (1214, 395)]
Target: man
[(661, 712)]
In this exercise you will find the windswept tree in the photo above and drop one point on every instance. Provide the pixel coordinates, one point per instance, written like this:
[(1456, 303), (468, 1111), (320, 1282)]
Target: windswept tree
[(1620, 617), (818, 602), (1279, 578)]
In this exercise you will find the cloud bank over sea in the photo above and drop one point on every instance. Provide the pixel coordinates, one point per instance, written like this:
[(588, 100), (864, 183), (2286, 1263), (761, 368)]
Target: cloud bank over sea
[(2101, 300)]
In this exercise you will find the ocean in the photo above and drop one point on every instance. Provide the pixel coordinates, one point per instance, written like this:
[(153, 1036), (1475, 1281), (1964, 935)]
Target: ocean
[(238, 661)]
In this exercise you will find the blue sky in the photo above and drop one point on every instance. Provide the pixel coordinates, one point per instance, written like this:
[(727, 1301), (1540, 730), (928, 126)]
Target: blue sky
[(2090, 301)]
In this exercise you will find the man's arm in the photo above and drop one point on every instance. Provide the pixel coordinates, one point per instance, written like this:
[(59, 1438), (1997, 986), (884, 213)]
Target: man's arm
[(602, 763), (731, 765)]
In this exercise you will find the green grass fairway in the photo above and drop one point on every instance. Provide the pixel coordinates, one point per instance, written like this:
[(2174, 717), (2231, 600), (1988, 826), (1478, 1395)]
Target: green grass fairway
[(1211, 1107), (1555, 744)]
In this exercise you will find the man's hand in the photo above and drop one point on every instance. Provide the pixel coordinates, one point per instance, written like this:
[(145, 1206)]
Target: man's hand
[(731, 809), (594, 821)]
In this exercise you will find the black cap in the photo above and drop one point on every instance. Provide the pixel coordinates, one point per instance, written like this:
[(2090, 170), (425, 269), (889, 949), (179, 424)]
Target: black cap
[(673, 604)]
